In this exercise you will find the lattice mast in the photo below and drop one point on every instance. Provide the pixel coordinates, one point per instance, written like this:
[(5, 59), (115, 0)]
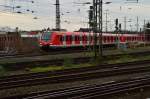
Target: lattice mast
[(58, 15), (97, 25)]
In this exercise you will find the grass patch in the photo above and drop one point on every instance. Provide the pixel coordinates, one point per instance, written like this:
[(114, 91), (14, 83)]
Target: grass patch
[(2, 71), (45, 69), (68, 62)]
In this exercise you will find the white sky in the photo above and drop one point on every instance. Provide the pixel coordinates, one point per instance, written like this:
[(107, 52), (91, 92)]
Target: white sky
[(78, 16)]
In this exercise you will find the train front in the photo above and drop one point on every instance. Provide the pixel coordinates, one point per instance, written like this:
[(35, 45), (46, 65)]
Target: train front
[(45, 39)]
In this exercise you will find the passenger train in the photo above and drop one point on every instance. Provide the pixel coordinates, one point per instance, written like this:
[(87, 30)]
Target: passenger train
[(57, 39)]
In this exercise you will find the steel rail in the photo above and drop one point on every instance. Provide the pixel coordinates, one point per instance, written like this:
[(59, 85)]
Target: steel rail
[(70, 71), (92, 91), (73, 77)]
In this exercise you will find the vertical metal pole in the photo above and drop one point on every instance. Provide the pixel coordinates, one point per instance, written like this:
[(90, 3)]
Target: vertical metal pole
[(106, 21), (125, 24), (57, 15), (94, 27), (101, 27), (96, 24), (144, 32), (97, 27), (137, 24)]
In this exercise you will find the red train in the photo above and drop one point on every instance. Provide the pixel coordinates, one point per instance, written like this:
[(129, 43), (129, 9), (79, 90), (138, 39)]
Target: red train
[(57, 39)]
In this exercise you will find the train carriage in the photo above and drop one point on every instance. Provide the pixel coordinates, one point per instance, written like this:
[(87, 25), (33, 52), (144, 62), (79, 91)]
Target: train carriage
[(55, 39)]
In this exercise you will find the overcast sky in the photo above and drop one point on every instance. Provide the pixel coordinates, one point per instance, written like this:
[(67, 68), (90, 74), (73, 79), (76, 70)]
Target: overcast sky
[(73, 15)]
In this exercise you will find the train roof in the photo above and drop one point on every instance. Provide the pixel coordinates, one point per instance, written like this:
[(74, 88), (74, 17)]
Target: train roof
[(78, 33)]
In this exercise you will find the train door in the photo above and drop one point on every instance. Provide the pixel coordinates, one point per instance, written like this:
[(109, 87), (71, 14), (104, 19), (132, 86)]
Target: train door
[(88, 39), (64, 40), (122, 39), (84, 39), (91, 39), (69, 40), (81, 43), (61, 39), (77, 40), (73, 39)]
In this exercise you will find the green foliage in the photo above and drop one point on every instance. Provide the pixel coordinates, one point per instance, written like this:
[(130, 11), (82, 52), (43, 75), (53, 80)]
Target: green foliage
[(2, 71), (44, 69), (68, 62), (99, 60)]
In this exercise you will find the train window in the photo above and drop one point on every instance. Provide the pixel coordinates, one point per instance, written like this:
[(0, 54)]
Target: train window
[(127, 38), (107, 38), (138, 38), (46, 36), (71, 38), (76, 38), (85, 38), (112, 39), (88, 38), (104, 38), (61, 38), (142, 38), (135, 38), (132, 38), (91, 38), (68, 38)]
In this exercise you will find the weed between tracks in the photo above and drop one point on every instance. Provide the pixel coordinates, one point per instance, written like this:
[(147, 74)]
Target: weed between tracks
[(2, 71), (55, 68), (68, 64)]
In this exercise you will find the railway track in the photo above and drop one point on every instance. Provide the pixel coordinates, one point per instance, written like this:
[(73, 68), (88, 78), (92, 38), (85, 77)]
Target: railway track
[(72, 75), (39, 61), (42, 53), (68, 51), (94, 91)]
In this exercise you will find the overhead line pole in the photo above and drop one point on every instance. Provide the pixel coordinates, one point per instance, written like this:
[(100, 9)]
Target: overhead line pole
[(101, 27), (58, 15), (106, 21), (97, 26), (137, 24), (125, 24)]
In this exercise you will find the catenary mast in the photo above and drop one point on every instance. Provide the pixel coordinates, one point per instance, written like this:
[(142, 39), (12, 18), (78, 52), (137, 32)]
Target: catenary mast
[(58, 15)]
